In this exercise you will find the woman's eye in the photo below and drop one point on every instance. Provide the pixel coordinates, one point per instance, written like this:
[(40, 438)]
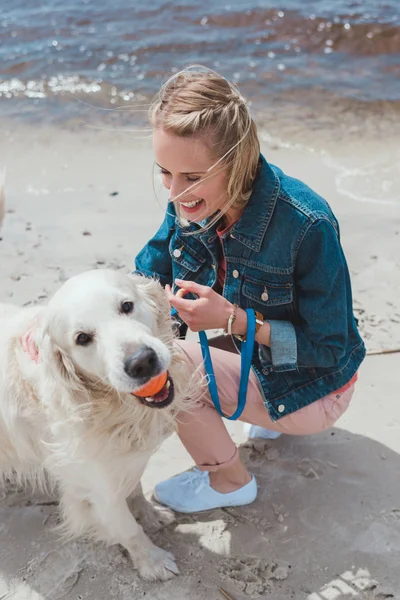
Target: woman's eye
[(189, 179), (127, 307), (84, 339)]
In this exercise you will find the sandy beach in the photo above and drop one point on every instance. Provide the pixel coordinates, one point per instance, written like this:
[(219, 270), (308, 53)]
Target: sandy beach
[(326, 524)]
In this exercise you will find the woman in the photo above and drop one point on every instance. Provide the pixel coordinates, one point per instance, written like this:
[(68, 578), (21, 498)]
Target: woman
[(239, 233)]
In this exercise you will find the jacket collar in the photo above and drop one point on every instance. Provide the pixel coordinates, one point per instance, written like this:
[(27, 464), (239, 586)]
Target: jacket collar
[(252, 225)]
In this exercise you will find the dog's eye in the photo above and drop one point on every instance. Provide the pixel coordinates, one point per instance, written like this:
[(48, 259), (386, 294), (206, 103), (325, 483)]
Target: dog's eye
[(127, 307), (84, 339)]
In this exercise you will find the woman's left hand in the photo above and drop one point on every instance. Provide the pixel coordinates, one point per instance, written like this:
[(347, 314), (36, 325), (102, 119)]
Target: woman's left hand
[(209, 311)]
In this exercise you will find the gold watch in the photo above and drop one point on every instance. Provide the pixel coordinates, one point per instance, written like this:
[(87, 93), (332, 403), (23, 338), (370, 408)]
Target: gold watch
[(259, 324)]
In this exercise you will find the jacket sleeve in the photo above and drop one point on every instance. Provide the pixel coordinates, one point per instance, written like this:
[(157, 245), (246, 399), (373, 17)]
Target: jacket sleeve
[(154, 259), (319, 338)]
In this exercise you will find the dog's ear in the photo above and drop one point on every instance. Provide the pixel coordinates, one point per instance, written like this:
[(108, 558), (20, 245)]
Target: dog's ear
[(153, 293), (62, 383), (65, 366)]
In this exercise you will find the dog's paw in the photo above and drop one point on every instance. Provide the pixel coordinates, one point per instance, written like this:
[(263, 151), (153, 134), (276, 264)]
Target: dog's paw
[(158, 564)]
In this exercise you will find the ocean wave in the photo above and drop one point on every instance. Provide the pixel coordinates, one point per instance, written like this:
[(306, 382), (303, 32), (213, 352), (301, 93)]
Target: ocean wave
[(341, 54)]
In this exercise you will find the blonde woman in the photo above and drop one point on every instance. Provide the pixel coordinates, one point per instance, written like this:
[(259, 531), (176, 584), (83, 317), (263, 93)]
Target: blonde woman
[(239, 233)]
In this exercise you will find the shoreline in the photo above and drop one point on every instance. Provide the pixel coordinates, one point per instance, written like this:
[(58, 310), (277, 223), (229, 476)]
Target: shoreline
[(315, 118)]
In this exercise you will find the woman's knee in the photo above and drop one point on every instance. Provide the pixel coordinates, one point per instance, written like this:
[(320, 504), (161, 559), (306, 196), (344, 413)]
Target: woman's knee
[(336, 405)]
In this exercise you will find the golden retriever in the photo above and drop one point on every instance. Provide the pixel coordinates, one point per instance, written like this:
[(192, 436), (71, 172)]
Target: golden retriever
[(68, 375)]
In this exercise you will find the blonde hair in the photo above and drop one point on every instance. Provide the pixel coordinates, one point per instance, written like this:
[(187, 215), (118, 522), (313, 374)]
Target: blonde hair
[(199, 101)]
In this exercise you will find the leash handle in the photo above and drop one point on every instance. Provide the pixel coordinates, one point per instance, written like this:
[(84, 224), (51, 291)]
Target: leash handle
[(245, 364)]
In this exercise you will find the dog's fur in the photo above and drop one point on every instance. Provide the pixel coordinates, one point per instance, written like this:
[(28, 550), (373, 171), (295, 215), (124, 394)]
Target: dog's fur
[(71, 414)]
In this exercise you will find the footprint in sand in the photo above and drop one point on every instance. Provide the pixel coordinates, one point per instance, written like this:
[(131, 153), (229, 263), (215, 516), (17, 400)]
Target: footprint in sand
[(252, 575)]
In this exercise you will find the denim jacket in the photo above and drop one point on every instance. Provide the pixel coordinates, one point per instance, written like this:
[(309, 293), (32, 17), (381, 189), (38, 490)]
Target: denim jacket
[(283, 259)]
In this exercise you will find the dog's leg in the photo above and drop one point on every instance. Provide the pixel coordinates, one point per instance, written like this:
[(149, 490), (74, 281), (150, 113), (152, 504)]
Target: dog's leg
[(151, 517), (121, 527), (78, 518), (105, 516)]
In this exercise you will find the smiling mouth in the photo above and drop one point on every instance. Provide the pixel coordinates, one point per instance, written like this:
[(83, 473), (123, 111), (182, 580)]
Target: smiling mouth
[(192, 206), (162, 399)]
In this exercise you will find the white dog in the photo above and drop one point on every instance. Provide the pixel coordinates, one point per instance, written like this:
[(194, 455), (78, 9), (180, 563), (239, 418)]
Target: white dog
[(68, 374)]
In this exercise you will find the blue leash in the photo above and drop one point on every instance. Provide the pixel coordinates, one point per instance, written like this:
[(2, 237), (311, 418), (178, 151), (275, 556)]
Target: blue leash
[(245, 364)]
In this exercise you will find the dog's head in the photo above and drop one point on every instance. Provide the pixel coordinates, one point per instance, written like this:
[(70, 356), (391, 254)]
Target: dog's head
[(113, 330)]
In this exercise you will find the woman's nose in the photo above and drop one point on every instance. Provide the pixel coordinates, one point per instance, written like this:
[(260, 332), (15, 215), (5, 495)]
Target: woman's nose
[(177, 189)]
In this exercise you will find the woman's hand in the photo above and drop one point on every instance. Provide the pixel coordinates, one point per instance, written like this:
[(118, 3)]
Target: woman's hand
[(209, 311)]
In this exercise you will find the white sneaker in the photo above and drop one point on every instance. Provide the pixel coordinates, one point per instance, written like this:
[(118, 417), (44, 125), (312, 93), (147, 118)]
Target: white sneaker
[(254, 431), (191, 492)]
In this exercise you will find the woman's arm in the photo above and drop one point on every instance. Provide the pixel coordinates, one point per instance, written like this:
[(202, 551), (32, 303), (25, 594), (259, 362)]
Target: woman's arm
[(240, 327), (154, 259)]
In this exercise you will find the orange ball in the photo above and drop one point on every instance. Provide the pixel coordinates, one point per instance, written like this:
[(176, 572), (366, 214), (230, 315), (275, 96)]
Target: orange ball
[(154, 386)]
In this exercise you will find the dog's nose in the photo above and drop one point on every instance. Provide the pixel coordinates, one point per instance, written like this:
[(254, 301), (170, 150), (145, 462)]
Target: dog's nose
[(143, 364)]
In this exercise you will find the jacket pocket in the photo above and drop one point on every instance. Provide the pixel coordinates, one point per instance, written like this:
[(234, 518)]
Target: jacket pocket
[(184, 258), (267, 294)]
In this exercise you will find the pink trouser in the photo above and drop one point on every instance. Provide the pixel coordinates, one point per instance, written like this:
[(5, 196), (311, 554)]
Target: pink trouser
[(203, 432)]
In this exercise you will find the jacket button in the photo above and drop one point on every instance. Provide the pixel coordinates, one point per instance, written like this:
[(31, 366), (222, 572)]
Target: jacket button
[(177, 253), (281, 408), (264, 296), (235, 274)]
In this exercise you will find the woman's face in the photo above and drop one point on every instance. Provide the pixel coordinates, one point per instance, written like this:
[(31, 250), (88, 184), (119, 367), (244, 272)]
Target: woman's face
[(184, 163)]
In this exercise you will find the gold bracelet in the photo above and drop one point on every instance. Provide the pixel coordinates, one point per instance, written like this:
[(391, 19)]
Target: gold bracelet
[(231, 320), (259, 324)]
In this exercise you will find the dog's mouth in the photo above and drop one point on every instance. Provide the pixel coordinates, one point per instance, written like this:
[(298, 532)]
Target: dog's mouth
[(162, 399)]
